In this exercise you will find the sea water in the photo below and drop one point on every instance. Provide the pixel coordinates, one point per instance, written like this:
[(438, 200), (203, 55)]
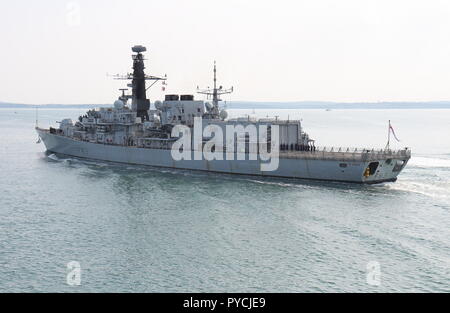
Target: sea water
[(144, 229)]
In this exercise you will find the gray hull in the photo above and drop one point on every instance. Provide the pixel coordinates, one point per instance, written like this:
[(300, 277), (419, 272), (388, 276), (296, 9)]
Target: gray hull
[(311, 166)]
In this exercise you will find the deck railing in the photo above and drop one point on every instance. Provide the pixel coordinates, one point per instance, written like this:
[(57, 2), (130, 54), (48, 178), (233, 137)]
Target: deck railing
[(348, 154)]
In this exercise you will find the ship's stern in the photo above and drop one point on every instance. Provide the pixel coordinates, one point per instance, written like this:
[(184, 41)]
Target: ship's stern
[(384, 169)]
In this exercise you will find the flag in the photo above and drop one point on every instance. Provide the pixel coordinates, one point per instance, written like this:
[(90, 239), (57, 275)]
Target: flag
[(391, 129)]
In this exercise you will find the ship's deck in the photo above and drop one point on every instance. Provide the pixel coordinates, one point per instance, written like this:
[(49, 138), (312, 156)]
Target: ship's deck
[(348, 155)]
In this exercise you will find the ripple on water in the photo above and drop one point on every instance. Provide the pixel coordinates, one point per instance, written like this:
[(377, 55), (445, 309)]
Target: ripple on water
[(145, 229)]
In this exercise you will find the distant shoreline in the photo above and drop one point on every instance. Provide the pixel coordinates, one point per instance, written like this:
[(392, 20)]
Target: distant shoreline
[(266, 105)]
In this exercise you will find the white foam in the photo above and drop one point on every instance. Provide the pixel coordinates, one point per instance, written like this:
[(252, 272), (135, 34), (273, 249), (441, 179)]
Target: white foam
[(53, 157), (427, 189), (427, 162)]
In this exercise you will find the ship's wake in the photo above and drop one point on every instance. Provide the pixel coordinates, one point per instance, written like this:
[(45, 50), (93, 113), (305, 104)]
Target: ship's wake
[(435, 190), (429, 162), (426, 175), (53, 157)]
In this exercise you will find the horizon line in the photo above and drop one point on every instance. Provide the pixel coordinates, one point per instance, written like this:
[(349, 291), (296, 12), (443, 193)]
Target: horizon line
[(310, 102)]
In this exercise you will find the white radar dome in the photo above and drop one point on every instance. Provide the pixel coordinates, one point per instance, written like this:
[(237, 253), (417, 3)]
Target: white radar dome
[(66, 122), (208, 106), (223, 115), (119, 104)]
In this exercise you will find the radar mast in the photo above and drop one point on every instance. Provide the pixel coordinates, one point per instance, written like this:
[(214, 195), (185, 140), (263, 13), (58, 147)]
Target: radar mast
[(215, 93), (140, 103)]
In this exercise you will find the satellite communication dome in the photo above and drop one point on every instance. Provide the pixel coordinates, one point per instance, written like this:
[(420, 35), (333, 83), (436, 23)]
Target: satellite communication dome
[(66, 122), (223, 115), (208, 106), (139, 49), (119, 104)]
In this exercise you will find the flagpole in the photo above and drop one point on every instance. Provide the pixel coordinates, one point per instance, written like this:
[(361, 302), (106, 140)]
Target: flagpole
[(389, 136), (36, 117)]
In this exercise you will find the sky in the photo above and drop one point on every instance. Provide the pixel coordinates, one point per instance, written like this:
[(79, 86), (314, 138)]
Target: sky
[(61, 52)]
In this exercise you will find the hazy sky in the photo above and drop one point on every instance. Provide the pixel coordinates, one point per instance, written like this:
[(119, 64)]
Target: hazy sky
[(56, 51)]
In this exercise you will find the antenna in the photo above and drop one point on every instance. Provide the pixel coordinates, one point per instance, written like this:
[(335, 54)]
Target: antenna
[(124, 98), (37, 117), (215, 92), (139, 49), (389, 136), (140, 103)]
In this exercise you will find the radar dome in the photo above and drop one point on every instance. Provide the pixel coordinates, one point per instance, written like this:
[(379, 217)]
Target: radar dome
[(119, 104), (208, 106), (66, 122), (223, 115)]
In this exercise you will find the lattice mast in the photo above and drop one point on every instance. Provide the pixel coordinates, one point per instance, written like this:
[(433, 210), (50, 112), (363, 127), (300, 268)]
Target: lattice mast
[(215, 93)]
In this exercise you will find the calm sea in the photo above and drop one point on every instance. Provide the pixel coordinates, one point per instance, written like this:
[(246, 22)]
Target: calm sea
[(142, 229)]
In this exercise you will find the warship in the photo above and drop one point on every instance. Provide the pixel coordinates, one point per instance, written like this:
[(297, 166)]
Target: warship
[(183, 133)]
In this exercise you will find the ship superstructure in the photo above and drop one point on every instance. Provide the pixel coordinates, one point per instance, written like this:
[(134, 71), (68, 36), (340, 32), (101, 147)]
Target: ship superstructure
[(133, 132)]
